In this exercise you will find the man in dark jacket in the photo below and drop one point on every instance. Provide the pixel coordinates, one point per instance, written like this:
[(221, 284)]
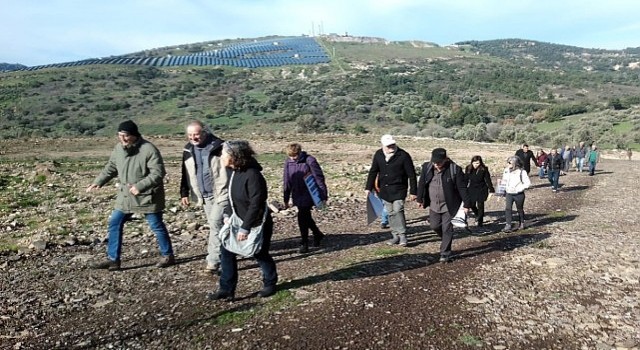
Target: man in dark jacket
[(526, 156), (442, 188), (204, 181), (396, 173), (554, 165), (139, 169)]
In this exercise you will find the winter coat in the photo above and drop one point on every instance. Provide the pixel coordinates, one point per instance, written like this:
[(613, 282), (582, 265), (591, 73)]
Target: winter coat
[(580, 152), (140, 166), (480, 184), (393, 175), (220, 174), (515, 181), (293, 180), (455, 187), (248, 192), (542, 158), (525, 158), (554, 162)]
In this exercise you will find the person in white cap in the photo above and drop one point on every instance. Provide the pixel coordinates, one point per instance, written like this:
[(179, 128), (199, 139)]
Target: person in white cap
[(396, 174)]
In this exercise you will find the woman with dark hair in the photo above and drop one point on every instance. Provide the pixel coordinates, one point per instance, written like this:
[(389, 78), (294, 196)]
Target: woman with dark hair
[(248, 195), (479, 187)]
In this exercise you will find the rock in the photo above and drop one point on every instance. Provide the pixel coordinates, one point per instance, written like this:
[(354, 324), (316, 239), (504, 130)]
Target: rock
[(192, 226), (38, 244), (475, 300)]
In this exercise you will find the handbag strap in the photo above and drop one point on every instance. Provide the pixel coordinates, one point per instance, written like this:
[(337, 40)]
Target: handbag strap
[(229, 192)]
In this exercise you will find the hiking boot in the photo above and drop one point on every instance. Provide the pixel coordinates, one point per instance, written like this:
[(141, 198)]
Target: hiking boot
[(111, 265), (166, 261), (212, 268), (402, 240), (267, 291), (220, 295), (384, 225), (317, 239), (394, 240), (304, 248)]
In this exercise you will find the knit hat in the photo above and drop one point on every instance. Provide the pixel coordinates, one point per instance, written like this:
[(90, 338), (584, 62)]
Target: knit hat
[(129, 127), (438, 155)]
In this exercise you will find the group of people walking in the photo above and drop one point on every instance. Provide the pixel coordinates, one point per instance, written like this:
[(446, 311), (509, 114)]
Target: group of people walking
[(226, 181)]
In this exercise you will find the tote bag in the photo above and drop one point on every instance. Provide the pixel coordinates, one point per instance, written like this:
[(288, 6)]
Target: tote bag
[(229, 233)]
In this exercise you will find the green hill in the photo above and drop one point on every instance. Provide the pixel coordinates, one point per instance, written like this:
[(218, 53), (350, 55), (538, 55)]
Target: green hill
[(496, 90)]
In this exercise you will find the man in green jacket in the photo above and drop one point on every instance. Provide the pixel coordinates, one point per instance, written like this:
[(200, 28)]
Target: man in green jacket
[(139, 169)]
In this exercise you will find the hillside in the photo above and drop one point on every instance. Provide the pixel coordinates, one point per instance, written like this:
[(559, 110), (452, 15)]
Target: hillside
[(483, 91)]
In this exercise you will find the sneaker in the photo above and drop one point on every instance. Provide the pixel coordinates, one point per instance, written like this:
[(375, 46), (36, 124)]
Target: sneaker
[(111, 265), (402, 240), (384, 225), (521, 227), (304, 248), (220, 295), (166, 261), (554, 190), (393, 241), (267, 291), (317, 239), (445, 259), (507, 229), (212, 268)]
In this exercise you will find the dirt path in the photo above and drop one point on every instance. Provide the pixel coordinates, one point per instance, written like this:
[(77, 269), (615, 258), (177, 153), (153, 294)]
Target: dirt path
[(569, 281)]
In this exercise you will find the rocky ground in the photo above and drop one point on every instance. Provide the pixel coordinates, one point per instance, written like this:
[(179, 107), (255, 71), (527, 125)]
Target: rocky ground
[(568, 281)]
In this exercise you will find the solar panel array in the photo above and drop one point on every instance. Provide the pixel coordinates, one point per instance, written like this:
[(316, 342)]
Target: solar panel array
[(254, 54)]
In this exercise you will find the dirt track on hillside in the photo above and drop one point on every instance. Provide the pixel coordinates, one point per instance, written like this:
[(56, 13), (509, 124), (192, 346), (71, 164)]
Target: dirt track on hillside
[(523, 290)]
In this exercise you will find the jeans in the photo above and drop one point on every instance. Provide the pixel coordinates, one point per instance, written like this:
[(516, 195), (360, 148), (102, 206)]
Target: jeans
[(384, 217), (542, 172), (441, 224), (229, 263), (214, 213), (306, 223), (554, 178), (518, 198), (580, 164), (397, 221), (592, 168), (116, 225)]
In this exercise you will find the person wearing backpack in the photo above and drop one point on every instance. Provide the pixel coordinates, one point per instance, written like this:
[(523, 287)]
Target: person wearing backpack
[(480, 185), (297, 165), (396, 174), (517, 181), (442, 188)]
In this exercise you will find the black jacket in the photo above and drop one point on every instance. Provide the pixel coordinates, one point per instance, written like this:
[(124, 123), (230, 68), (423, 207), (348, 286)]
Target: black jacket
[(455, 188), (392, 176), (248, 191), (554, 162), (480, 184), (526, 158)]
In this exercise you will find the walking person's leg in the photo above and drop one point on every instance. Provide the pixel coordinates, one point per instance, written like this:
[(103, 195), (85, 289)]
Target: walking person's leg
[(508, 211), (397, 221), (214, 214), (115, 229), (162, 236), (304, 218), (519, 199)]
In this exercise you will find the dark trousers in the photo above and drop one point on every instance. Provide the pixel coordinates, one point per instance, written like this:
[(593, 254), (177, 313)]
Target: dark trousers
[(306, 223), (518, 198), (441, 224), (478, 209), (229, 263)]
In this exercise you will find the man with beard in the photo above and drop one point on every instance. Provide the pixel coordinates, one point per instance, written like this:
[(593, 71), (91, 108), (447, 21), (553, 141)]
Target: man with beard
[(138, 166), (204, 181)]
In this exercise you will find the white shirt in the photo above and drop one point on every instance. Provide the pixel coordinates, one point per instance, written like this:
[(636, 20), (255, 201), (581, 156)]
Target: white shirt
[(515, 181)]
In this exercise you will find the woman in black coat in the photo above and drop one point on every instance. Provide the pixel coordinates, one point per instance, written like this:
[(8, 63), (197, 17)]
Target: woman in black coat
[(479, 186), (248, 192)]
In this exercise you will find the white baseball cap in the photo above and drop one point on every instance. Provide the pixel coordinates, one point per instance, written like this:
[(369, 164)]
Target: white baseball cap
[(387, 140)]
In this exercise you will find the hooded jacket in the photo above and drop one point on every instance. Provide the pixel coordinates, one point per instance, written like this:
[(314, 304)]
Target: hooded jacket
[(294, 185), (140, 166), (219, 174)]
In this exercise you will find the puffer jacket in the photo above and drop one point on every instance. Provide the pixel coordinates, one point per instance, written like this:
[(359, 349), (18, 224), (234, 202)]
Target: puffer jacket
[(140, 166)]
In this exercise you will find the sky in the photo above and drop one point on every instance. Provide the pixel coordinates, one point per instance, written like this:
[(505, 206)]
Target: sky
[(36, 32)]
